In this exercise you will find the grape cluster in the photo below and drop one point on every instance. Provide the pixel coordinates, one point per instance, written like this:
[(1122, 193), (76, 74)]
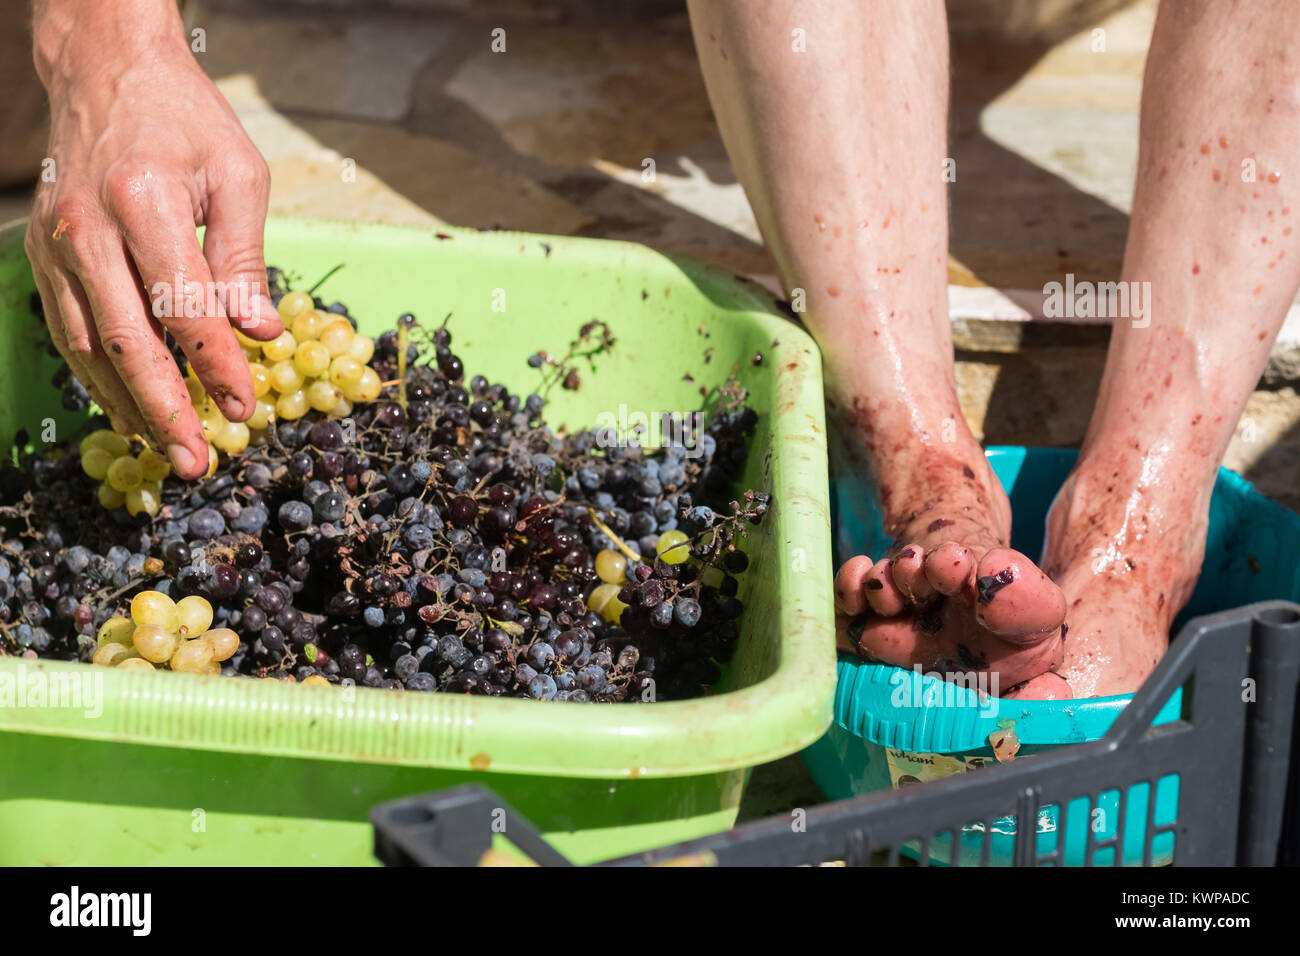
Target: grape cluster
[(162, 633), (411, 529), (126, 479)]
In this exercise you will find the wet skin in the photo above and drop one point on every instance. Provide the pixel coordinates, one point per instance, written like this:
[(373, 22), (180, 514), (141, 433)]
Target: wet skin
[(840, 150), (954, 599)]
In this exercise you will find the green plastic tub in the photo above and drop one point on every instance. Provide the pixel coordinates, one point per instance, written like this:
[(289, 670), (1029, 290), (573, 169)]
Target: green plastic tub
[(169, 769)]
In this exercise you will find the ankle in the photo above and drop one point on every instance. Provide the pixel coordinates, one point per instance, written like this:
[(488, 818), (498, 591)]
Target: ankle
[(1117, 515), (952, 483)]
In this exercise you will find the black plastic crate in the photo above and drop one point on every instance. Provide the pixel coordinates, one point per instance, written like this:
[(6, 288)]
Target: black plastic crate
[(1232, 751)]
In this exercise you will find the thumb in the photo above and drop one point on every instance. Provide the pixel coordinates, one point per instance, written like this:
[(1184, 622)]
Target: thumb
[(232, 245)]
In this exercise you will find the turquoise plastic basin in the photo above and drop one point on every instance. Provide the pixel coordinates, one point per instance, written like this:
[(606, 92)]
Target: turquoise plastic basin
[(893, 727)]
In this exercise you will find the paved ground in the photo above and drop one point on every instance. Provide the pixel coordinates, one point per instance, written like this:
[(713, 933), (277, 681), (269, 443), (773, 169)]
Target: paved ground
[(554, 135)]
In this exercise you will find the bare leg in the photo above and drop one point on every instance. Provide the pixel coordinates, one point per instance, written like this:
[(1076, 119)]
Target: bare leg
[(840, 148), (1222, 256)]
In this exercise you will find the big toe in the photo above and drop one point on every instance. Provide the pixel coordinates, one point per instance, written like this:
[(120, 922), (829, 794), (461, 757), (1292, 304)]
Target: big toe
[(1015, 600), (1049, 686)]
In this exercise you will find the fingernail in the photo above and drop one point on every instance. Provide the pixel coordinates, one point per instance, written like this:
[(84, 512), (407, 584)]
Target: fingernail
[(263, 310), (235, 410), (182, 458)]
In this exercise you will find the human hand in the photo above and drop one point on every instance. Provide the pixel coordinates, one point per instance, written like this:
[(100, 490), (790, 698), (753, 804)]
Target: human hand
[(146, 149)]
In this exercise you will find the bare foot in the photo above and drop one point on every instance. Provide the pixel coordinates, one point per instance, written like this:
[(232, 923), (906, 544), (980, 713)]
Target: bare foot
[(951, 596), (1126, 553)]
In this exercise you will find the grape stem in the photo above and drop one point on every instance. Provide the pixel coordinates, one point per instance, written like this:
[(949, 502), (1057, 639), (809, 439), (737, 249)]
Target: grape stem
[(402, 339), (618, 542), (321, 281)]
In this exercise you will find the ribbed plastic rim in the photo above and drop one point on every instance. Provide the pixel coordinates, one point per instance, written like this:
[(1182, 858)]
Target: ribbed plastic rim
[(770, 719)]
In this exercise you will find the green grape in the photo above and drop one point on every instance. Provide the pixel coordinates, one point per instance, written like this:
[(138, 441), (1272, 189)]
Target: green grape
[(195, 615), (154, 466), (262, 413), (672, 547), (366, 388), (116, 630), (147, 499), (192, 657), (110, 497), (154, 643), (223, 641), (156, 608), (231, 437), (125, 474), (311, 359), (362, 348), (285, 377), (95, 462), (307, 325), (291, 405), (261, 378), (107, 439), (110, 655), (280, 348), (611, 566), (345, 371), (604, 601), (294, 304), (337, 337), (323, 396)]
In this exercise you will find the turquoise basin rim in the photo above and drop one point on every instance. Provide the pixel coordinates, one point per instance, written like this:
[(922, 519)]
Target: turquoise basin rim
[(865, 706), (899, 708)]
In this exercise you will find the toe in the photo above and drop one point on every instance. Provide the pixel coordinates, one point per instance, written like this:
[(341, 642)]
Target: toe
[(1017, 664), (1047, 686), (908, 571), (850, 594), (896, 641), (948, 567), (882, 593), (848, 630), (1016, 600)]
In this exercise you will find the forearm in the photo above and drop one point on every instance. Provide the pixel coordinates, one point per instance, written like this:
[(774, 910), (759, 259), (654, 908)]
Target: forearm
[(76, 40)]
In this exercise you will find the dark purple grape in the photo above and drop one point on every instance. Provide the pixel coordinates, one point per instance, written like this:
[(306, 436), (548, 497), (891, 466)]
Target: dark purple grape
[(269, 599), (326, 435), (330, 506), (294, 515), (223, 581), (461, 512)]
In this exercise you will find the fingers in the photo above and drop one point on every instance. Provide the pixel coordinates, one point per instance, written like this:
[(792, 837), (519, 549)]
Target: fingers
[(166, 253), (70, 319), (147, 375), (1016, 600), (232, 245)]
